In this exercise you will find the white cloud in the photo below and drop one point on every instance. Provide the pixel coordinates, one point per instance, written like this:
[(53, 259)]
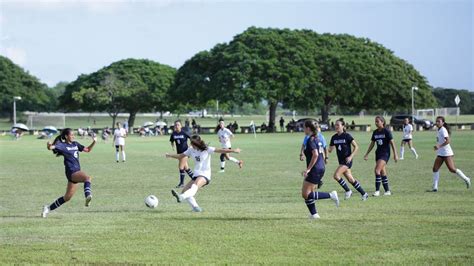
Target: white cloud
[(17, 55)]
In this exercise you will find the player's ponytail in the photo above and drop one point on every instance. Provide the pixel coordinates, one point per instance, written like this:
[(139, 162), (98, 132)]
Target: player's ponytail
[(309, 124), (343, 124), (445, 125), (61, 138), (198, 142)]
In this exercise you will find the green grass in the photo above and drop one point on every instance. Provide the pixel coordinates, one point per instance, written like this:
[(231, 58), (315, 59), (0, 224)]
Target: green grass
[(251, 216)]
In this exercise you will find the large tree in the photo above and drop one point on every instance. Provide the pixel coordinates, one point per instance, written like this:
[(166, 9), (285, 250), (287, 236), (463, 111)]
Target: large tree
[(14, 81), (129, 85)]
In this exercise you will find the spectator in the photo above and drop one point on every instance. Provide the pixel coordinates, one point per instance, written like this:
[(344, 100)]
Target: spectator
[(282, 124), (353, 125), (263, 127), (235, 126)]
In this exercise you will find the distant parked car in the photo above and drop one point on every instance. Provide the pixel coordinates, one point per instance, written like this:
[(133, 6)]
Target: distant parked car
[(300, 124), (397, 121)]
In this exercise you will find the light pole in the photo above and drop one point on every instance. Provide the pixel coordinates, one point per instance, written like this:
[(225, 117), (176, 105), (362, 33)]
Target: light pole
[(414, 88), (16, 98)]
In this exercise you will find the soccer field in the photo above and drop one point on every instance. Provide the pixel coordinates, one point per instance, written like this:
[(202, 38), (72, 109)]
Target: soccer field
[(251, 216)]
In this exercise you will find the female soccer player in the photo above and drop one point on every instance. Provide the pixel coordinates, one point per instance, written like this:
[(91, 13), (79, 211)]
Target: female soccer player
[(201, 155), (314, 171), (343, 141), (224, 135), (383, 138), (323, 144), (65, 145), (445, 154), (407, 139), (119, 140), (181, 139)]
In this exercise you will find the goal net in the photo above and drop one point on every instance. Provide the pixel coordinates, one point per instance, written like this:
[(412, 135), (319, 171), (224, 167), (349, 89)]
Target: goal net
[(426, 113), (40, 120), (448, 111)]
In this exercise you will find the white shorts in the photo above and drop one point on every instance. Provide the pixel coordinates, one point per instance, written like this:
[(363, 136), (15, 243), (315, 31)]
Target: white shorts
[(120, 142)]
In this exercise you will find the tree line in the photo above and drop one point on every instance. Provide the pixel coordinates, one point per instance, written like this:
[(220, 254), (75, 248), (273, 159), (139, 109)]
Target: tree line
[(298, 69)]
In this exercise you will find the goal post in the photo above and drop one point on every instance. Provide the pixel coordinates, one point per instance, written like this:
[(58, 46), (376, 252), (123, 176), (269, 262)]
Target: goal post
[(426, 113), (38, 121)]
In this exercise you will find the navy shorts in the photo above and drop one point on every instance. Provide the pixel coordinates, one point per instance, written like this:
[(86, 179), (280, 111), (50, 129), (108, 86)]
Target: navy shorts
[(69, 176), (314, 177), (406, 140), (385, 157), (349, 164), (207, 179)]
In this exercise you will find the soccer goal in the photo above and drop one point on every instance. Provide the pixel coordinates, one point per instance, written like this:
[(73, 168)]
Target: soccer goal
[(448, 111), (426, 113), (40, 120)]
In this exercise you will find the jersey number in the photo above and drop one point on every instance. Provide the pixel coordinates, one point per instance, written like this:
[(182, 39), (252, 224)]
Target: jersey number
[(198, 159), (339, 147), (76, 154), (178, 141), (380, 142)]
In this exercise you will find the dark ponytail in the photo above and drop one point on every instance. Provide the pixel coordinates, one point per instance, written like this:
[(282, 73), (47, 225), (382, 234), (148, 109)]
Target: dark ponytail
[(309, 124), (198, 142), (343, 124), (445, 125), (379, 117), (61, 138)]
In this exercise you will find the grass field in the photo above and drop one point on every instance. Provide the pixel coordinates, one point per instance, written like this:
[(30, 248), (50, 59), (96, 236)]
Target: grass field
[(251, 216)]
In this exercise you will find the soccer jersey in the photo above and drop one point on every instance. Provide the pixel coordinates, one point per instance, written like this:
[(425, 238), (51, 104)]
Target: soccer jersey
[(382, 138), (181, 140), (320, 137), (202, 161), (314, 143), (120, 134), (224, 135), (440, 139), (70, 152), (407, 131), (342, 143)]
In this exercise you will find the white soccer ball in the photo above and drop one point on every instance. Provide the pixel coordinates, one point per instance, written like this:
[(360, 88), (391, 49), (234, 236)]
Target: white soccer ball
[(151, 201)]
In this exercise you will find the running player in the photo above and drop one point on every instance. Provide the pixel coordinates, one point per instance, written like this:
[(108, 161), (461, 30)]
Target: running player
[(65, 145), (343, 141), (321, 143), (180, 139), (224, 135), (445, 154), (383, 138), (119, 141), (201, 154), (407, 139), (314, 171)]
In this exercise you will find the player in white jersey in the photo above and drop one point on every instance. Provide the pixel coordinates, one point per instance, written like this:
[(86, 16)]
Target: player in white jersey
[(225, 135), (445, 154), (119, 141), (201, 154), (407, 139)]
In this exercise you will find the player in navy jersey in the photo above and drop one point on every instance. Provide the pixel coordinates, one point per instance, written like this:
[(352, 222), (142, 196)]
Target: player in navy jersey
[(180, 139), (314, 171), (344, 142), (384, 140), (64, 145), (323, 144)]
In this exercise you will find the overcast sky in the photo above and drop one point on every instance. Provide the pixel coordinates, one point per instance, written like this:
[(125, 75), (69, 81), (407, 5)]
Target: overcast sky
[(58, 40)]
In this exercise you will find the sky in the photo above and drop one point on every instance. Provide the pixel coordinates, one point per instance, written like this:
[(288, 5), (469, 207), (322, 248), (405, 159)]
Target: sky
[(59, 40)]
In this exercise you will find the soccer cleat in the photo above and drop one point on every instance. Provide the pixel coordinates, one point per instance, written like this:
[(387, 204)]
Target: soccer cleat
[(117, 161), (348, 195), (180, 186), (88, 200), (376, 193), (314, 216), (334, 197), (197, 209), (365, 197), (176, 195), (432, 190), (468, 182), (401, 158), (123, 161), (222, 171), (45, 211), (387, 193), (241, 164), (416, 157)]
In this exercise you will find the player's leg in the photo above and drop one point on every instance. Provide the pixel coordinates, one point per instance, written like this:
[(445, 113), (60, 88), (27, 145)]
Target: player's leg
[(379, 165), (452, 168), (222, 158), (240, 163), (385, 179), (337, 176), (181, 167), (70, 190), (81, 177), (122, 148), (117, 154), (307, 191), (412, 148), (402, 149), (355, 184), (191, 188), (187, 169), (436, 165)]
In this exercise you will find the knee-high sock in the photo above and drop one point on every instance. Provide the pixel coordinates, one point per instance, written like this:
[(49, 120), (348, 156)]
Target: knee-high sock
[(461, 175), (60, 201), (414, 151), (234, 160), (117, 156), (435, 180), (359, 187), (402, 151), (181, 177), (87, 189), (343, 184), (222, 165), (189, 172), (316, 195), (378, 181), (192, 202), (310, 203), (385, 183), (190, 192), (123, 156)]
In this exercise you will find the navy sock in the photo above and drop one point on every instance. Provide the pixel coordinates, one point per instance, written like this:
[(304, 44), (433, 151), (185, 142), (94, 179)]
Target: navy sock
[(181, 177), (60, 201), (87, 189), (316, 195), (378, 181), (385, 183), (311, 206), (358, 187), (343, 184), (189, 172)]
